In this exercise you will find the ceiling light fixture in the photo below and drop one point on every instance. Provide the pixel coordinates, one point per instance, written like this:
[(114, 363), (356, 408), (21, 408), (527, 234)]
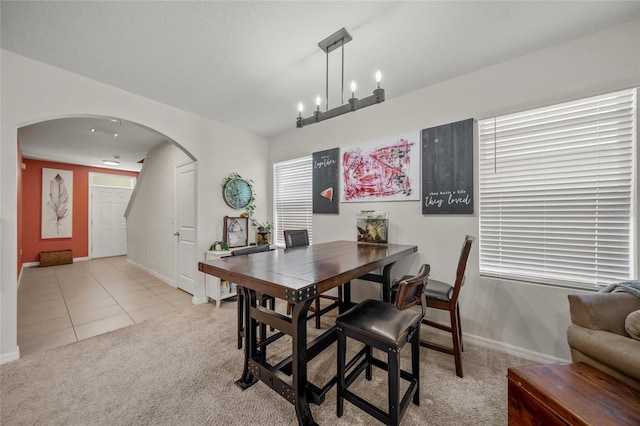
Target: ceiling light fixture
[(96, 131), (334, 41), (114, 162)]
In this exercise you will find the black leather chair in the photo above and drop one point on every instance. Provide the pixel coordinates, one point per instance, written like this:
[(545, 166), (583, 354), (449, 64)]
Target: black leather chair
[(386, 327), (296, 238), (300, 238), (264, 298)]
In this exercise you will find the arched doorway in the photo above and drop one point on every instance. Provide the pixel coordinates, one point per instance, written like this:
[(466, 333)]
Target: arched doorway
[(112, 146)]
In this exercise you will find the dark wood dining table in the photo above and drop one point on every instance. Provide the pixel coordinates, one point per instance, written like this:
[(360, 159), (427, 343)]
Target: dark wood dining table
[(297, 275)]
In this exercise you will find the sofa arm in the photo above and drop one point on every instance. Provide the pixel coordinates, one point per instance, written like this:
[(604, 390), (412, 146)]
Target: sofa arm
[(618, 353), (603, 311)]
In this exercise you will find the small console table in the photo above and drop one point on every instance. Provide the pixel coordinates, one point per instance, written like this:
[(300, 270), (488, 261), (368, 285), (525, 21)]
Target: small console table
[(215, 288)]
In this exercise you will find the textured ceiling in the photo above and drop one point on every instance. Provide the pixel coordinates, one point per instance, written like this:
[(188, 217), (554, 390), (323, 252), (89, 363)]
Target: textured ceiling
[(248, 63), (88, 141)]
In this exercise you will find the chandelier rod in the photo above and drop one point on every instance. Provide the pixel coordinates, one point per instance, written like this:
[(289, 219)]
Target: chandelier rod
[(326, 80), (342, 90), (326, 84)]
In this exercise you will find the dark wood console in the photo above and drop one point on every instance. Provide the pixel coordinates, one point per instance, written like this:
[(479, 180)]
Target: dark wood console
[(570, 394)]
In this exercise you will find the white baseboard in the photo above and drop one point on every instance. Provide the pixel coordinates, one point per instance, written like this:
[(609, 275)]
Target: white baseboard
[(30, 264), (20, 275), (11, 356), (155, 274), (512, 350)]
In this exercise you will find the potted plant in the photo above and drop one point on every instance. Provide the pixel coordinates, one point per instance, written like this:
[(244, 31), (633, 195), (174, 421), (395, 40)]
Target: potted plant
[(219, 246), (264, 232)]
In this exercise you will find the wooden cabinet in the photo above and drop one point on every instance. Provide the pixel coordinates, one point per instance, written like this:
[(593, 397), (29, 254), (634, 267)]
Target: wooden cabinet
[(215, 288), (570, 394)]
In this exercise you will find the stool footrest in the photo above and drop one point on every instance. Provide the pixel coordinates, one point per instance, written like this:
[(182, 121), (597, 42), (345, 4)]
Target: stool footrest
[(365, 405), (436, 325), (436, 347)]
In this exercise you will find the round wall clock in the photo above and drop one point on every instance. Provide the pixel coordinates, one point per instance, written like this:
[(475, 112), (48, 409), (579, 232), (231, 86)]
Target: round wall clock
[(237, 193)]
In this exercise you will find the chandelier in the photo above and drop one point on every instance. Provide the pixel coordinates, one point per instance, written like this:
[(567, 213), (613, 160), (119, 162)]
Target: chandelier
[(334, 41)]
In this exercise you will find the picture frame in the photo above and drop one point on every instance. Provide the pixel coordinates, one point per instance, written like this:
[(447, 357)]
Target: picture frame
[(57, 204), (447, 168), (236, 231), (326, 181), (382, 170)]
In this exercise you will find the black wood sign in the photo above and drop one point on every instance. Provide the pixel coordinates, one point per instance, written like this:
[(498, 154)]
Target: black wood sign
[(447, 168), (326, 171)]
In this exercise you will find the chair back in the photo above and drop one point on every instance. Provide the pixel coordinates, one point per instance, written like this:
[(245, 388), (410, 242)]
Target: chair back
[(253, 249), (296, 238), (410, 291), (462, 266)]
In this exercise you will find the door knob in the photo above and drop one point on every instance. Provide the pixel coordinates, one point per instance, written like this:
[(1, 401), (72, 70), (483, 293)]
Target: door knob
[(176, 234)]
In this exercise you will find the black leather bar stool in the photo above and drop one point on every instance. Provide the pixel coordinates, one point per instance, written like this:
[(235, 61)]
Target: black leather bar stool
[(386, 327)]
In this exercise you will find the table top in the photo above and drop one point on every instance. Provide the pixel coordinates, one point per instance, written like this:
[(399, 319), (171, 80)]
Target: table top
[(580, 393), (302, 272)]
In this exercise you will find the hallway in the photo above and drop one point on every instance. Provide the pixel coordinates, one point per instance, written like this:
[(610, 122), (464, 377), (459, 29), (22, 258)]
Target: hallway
[(64, 304)]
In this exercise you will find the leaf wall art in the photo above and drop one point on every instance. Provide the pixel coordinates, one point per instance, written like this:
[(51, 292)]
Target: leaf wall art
[(57, 203)]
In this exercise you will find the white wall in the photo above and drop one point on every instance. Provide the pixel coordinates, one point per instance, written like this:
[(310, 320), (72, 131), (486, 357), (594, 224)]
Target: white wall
[(150, 222), (33, 92), (527, 319)]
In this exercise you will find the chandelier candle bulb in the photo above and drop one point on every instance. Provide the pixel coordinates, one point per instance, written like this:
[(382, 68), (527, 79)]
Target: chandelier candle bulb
[(353, 89), (378, 78)]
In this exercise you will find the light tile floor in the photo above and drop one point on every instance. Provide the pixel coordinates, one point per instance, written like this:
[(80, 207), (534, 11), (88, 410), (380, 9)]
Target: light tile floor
[(63, 304)]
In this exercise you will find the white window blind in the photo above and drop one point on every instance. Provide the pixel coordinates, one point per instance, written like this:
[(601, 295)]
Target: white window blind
[(292, 194), (557, 192)]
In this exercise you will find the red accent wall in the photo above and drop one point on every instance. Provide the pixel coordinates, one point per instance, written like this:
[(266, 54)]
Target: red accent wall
[(31, 215), (20, 209)]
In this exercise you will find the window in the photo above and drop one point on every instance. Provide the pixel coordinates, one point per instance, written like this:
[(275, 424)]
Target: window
[(292, 195), (113, 181), (557, 192)]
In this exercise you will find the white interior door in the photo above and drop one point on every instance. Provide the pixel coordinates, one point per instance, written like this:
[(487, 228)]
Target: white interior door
[(108, 225), (187, 262)]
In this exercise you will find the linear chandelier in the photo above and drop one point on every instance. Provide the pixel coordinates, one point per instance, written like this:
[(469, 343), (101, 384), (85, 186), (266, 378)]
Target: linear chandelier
[(334, 41)]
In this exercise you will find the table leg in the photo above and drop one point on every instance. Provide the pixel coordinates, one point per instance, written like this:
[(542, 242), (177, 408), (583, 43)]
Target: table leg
[(240, 298), (384, 279), (386, 282), (263, 330), (346, 297), (299, 349), (250, 339)]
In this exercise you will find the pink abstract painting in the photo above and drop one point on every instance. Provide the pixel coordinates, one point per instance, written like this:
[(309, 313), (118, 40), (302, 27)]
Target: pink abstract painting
[(382, 171)]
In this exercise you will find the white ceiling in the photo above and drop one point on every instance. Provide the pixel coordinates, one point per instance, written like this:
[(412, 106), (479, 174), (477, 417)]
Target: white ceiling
[(88, 141), (248, 63)]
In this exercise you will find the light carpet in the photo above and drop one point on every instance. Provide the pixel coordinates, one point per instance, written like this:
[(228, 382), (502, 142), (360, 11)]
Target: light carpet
[(180, 370)]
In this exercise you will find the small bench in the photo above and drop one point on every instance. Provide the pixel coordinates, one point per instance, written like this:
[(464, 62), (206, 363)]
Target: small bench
[(570, 394), (56, 257)]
